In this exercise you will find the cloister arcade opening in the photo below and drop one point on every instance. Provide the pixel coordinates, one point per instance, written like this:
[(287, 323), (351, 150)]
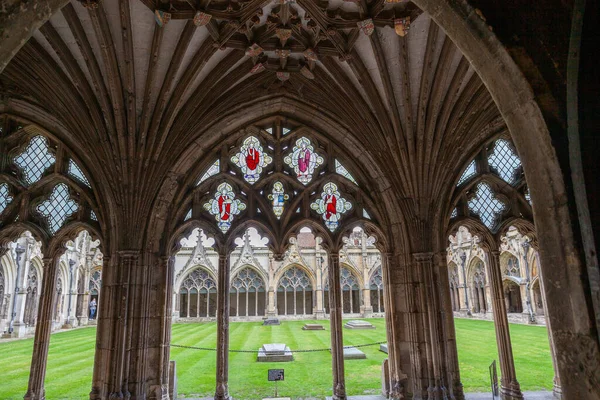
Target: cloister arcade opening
[(492, 256), (186, 182)]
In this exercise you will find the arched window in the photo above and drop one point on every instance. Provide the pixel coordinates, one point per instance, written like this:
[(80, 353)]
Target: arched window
[(350, 292), (294, 293), (247, 294), (198, 295), (512, 267), (31, 299), (376, 286)]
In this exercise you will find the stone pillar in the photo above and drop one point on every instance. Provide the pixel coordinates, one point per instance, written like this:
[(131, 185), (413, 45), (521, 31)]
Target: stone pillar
[(335, 316), (437, 387), (222, 390), (320, 309), (20, 297), (397, 378), (271, 311), (85, 304), (450, 366), (367, 309), (509, 386), (35, 387)]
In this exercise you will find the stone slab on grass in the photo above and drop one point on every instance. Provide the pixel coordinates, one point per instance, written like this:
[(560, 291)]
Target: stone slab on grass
[(352, 353), (358, 324), (313, 327), (383, 348), (274, 352), (271, 321)]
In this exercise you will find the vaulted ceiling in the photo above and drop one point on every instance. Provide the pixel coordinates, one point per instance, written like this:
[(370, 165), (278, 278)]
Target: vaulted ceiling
[(135, 82)]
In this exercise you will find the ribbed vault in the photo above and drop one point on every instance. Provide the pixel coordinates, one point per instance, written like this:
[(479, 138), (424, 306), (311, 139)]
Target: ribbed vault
[(132, 90)]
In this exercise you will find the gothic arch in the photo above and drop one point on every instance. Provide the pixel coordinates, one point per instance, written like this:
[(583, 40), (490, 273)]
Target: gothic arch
[(179, 281), (309, 273), (263, 276)]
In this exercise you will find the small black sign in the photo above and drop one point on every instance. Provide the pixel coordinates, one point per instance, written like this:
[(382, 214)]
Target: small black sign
[(276, 375)]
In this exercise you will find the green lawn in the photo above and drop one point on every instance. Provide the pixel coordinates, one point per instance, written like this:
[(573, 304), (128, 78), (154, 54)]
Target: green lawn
[(71, 357)]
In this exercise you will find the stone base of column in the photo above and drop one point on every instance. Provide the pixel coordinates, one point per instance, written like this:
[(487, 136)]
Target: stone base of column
[(82, 321), (19, 331), (511, 392), (34, 396), (366, 311), (320, 314), (158, 392), (557, 390), (457, 391)]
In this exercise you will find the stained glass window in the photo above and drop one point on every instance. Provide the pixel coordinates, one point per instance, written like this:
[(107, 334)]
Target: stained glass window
[(366, 214), (470, 171), (278, 197), (188, 215), (77, 173), (454, 213), (251, 159), (212, 171), (486, 205), (340, 169), (331, 206), (286, 131), (93, 216), (58, 207), (527, 195), (269, 130), (224, 206), (303, 160), (5, 197), (504, 161), (35, 159)]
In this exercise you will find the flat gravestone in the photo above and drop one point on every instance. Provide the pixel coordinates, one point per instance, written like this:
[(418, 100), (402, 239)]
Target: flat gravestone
[(383, 348), (352, 353), (274, 352), (271, 321), (358, 324), (313, 327)]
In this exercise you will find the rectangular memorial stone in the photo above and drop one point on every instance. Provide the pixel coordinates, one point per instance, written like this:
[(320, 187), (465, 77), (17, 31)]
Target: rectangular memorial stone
[(383, 348), (313, 327), (274, 352), (352, 353), (271, 321), (358, 324)]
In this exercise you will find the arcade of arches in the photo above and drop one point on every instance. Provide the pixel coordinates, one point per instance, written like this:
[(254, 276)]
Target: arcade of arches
[(389, 158)]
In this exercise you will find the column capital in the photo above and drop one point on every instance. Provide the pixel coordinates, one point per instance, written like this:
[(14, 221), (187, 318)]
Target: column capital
[(47, 262), (423, 257), (129, 254)]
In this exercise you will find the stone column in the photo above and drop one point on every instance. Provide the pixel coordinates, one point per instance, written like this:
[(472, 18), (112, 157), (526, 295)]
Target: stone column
[(509, 386), (396, 376), (271, 311), (335, 316), (20, 295), (320, 309), (222, 390), (35, 387), (85, 304), (450, 366)]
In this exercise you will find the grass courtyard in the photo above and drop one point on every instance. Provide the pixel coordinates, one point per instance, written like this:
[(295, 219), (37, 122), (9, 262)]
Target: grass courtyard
[(71, 356)]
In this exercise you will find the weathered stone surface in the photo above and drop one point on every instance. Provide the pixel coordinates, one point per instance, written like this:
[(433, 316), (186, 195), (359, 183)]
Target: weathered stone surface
[(313, 327), (274, 352), (271, 321), (352, 353), (383, 348), (358, 324)]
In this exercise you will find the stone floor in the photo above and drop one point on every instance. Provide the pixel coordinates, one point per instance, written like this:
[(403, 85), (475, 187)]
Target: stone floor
[(469, 396)]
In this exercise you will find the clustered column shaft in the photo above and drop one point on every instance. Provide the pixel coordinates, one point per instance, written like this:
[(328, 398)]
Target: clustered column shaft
[(35, 387), (510, 388), (222, 390), (335, 315)]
